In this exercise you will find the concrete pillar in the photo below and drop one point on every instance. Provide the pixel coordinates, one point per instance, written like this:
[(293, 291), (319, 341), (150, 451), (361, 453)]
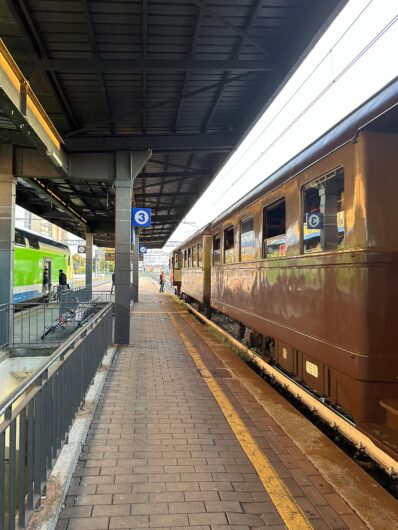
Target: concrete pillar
[(89, 260), (136, 267), (7, 239), (128, 165), (123, 196)]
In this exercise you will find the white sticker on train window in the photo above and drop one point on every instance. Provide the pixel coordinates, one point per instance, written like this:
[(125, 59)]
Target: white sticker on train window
[(311, 368), (284, 353)]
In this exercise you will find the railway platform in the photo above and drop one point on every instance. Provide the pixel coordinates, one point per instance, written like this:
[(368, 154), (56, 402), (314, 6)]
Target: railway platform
[(186, 435)]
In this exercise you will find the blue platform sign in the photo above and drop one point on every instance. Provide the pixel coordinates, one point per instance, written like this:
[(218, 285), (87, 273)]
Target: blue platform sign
[(314, 220), (143, 249), (141, 217)]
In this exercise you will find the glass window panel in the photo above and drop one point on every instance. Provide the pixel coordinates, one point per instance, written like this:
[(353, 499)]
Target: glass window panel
[(194, 256), (189, 258), (323, 207), (19, 238), (33, 242), (274, 223), (229, 245), (216, 248), (247, 240)]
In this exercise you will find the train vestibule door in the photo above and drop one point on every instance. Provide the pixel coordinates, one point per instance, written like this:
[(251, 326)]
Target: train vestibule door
[(47, 263)]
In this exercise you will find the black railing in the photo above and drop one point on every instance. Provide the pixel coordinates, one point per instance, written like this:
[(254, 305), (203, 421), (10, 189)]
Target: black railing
[(36, 419)]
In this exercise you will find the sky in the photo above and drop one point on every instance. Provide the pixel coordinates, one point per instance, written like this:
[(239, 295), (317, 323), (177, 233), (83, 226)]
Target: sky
[(354, 59)]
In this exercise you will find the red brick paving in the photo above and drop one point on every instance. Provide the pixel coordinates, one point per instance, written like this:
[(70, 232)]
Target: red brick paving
[(160, 453)]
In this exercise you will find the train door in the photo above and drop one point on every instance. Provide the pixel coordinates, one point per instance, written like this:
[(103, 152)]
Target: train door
[(48, 265)]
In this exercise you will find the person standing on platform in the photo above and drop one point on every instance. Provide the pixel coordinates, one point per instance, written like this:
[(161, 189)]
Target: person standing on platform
[(62, 283), (162, 280), (113, 282), (46, 281)]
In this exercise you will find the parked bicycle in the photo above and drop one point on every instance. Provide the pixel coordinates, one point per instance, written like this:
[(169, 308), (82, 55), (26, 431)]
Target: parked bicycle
[(79, 314)]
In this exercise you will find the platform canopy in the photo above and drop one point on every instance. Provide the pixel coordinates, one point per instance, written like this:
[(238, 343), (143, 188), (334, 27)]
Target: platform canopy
[(184, 79)]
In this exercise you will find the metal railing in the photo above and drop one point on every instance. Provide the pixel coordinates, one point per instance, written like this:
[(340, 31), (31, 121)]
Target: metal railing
[(4, 325), (42, 323), (36, 418), (70, 297)]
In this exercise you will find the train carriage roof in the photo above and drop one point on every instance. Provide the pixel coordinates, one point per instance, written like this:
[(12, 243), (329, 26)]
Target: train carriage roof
[(203, 231), (43, 239), (379, 113)]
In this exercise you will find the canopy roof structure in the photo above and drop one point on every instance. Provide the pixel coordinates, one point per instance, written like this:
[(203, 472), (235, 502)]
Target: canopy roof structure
[(184, 79)]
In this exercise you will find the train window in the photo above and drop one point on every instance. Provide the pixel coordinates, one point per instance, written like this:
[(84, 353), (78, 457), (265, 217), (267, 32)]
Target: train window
[(229, 245), (200, 255), (194, 256), (274, 230), (33, 241), (177, 264), (247, 240), (185, 259), (323, 222), (189, 258), (19, 238), (216, 248)]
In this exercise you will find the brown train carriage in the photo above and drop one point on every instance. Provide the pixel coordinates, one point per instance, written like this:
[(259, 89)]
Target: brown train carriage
[(195, 267), (309, 260)]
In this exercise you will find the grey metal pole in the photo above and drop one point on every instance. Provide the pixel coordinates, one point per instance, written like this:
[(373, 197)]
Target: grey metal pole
[(89, 261), (7, 237), (123, 196), (136, 267), (128, 165)]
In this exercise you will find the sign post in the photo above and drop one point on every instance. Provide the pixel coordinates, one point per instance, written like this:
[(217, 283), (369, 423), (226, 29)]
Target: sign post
[(141, 217)]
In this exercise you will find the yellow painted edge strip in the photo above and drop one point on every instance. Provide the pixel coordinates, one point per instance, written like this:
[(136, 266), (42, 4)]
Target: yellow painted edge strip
[(290, 512), (9, 71), (42, 121)]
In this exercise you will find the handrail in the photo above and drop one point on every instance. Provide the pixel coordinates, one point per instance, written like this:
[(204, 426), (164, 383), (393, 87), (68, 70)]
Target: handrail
[(24, 385)]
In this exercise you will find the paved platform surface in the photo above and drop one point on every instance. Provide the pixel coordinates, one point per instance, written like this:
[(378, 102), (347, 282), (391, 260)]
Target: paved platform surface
[(160, 452)]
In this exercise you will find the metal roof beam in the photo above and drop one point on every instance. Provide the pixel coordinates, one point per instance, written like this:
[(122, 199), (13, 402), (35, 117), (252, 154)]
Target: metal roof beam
[(238, 49), (32, 37), (168, 194), (93, 43), (85, 65), (196, 142), (186, 76), (139, 110), (176, 175), (242, 33)]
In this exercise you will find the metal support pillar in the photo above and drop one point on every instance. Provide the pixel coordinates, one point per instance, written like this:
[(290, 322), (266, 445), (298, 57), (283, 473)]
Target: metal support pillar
[(89, 260), (123, 196), (7, 239), (136, 267), (128, 165)]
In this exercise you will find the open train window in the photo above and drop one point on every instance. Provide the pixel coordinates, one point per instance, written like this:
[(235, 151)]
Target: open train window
[(194, 256), (229, 245), (247, 240), (177, 263), (185, 259), (33, 241), (200, 255), (189, 258), (323, 208), (274, 230), (19, 238), (216, 249)]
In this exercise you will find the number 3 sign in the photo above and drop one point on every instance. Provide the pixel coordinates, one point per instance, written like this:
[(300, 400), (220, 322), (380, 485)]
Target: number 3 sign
[(142, 217)]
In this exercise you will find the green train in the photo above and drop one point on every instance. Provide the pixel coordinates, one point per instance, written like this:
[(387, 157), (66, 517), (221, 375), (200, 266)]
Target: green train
[(33, 252)]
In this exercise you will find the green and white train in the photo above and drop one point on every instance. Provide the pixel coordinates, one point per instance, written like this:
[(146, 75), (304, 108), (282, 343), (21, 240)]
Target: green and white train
[(33, 252)]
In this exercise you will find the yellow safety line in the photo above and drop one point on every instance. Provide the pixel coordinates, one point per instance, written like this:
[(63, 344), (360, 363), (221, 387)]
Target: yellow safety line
[(290, 512)]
